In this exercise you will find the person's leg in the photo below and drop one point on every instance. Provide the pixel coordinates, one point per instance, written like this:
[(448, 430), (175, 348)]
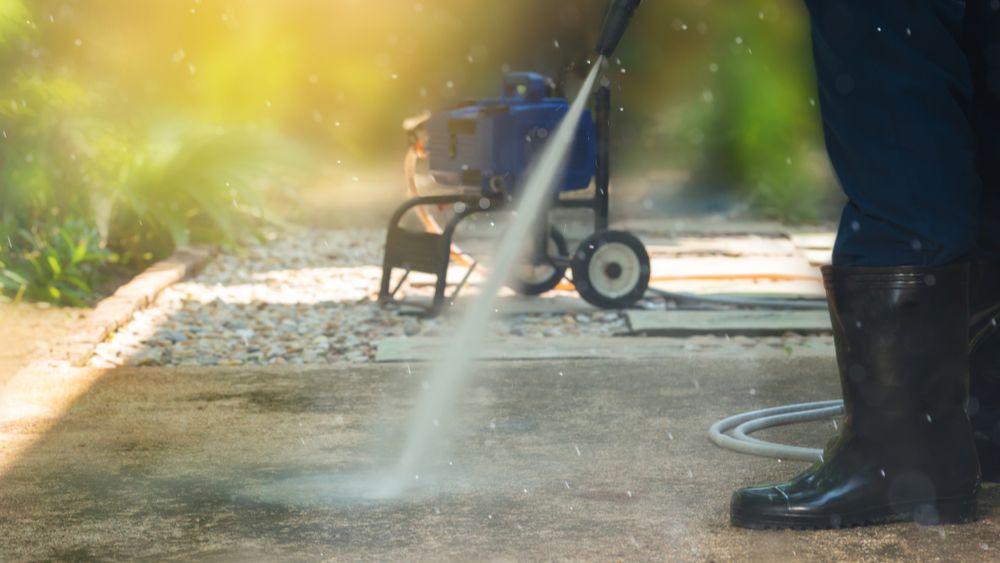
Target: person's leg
[(896, 91), (895, 87), (983, 48), (905, 450)]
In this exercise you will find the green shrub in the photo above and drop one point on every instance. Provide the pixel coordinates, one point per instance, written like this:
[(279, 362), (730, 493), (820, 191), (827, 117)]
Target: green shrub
[(13, 15), (766, 129), (60, 264), (194, 186)]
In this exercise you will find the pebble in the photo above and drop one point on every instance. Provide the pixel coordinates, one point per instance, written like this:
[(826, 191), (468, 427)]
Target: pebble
[(146, 357), (174, 336)]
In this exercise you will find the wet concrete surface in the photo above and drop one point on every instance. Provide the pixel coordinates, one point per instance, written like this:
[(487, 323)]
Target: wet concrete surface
[(551, 460)]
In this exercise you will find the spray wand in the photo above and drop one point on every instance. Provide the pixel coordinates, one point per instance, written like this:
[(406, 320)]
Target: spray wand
[(615, 24)]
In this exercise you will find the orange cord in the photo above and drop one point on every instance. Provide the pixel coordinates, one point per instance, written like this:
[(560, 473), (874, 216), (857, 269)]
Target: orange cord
[(463, 259)]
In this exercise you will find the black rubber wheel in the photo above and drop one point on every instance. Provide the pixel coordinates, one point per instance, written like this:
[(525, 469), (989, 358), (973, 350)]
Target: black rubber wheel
[(611, 269), (536, 279)]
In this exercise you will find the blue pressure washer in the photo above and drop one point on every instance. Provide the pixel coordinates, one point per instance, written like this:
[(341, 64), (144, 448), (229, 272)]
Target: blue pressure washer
[(482, 151)]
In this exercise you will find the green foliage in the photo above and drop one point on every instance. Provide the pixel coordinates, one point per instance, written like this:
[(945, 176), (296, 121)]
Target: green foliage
[(60, 264), (750, 119), (766, 127), (42, 139), (192, 186), (14, 18), (67, 155)]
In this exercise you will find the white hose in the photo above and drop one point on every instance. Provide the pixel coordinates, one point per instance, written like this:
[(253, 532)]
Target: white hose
[(742, 425)]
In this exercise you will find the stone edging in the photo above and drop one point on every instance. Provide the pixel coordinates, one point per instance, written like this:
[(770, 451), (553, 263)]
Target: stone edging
[(115, 311)]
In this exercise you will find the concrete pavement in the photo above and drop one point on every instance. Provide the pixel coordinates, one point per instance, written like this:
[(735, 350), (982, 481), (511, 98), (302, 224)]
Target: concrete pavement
[(554, 460)]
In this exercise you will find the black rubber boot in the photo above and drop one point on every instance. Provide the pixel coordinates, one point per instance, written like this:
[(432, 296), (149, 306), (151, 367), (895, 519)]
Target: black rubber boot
[(984, 336), (906, 450)]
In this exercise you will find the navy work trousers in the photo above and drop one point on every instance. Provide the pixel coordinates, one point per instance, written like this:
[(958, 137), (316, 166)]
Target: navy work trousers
[(910, 98)]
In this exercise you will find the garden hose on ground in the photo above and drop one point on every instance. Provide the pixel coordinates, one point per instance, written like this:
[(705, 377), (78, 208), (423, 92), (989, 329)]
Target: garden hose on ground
[(742, 425), (761, 302)]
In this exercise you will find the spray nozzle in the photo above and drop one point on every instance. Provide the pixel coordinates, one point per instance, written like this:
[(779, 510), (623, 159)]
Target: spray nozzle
[(614, 25)]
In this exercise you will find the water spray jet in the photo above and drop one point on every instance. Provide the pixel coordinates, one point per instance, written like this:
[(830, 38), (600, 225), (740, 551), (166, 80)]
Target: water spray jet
[(610, 269)]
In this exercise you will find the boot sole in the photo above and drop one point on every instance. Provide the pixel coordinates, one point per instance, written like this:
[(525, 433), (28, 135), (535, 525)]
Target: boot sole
[(941, 511)]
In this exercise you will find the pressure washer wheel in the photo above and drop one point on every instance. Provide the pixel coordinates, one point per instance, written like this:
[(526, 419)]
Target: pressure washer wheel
[(611, 269), (543, 275)]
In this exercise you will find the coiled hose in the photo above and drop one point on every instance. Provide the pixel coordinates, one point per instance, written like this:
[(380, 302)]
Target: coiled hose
[(742, 425)]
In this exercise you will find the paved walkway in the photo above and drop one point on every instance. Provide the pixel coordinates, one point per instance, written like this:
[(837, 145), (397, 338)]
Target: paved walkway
[(555, 460), (585, 442)]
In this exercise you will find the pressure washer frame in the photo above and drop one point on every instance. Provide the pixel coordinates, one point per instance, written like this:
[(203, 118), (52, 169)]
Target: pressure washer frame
[(414, 251)]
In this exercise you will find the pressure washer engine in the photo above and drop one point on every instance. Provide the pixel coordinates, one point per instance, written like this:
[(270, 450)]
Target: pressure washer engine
[(479, 154)]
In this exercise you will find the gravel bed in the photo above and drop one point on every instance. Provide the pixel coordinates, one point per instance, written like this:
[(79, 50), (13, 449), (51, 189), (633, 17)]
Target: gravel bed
[(299, 297)]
